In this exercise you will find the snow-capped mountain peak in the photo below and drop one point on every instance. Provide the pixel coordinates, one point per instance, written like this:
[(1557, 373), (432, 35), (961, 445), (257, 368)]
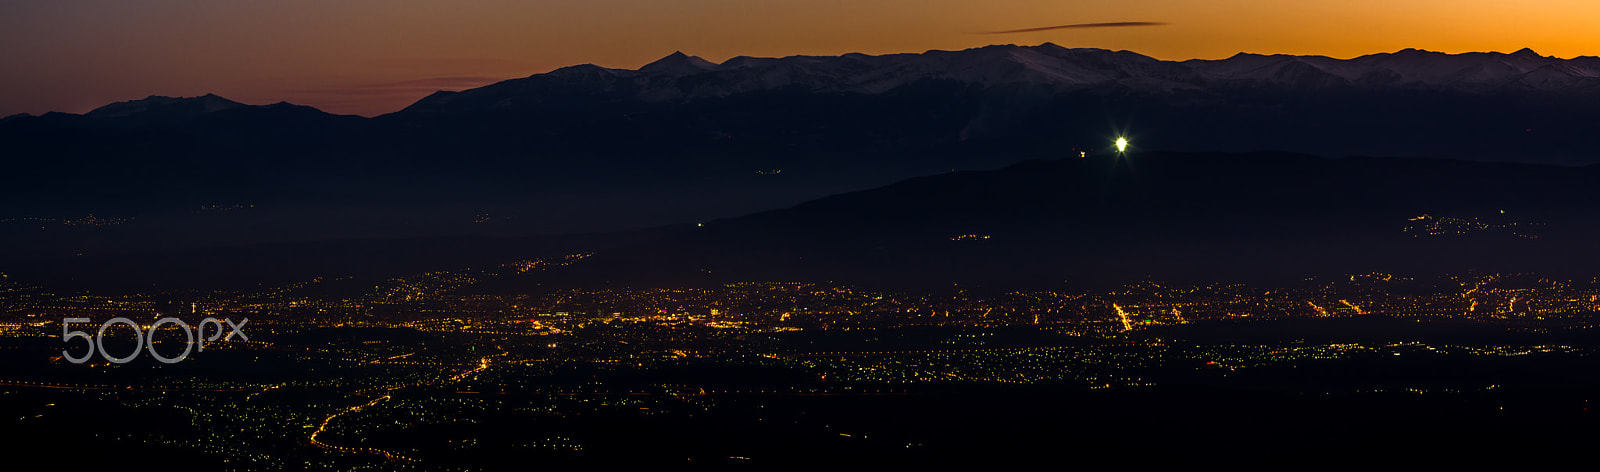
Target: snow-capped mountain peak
[(678, 64)]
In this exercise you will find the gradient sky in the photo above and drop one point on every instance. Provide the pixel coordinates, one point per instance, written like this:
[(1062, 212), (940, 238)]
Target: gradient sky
[(375, 56)]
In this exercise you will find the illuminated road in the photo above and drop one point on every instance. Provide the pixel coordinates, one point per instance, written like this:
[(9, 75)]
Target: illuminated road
[(1126, 325), (483, 364), (324, 427), (1353, 307)]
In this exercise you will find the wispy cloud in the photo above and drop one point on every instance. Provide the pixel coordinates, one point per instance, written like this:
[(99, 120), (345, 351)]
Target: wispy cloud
[(452, 63), (378, 97), (1117, 24), (447, 82), (426, 85)]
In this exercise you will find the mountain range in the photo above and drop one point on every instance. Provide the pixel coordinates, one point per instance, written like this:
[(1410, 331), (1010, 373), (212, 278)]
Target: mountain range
[(684, 140), (1488, 106), (679, 77)]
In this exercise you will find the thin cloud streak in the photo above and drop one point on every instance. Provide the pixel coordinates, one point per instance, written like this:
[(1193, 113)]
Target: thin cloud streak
[(441, 82), (1116, 24), (372, 99), (427, 85)]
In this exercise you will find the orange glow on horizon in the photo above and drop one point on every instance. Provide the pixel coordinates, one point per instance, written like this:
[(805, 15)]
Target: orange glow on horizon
[(376, 56)]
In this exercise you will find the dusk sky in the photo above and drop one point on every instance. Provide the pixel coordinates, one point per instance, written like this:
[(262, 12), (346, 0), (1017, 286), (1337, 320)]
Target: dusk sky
[(371, 57)]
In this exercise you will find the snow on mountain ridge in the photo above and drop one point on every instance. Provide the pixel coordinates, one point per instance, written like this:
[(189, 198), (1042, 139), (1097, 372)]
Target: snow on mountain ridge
[(679, 76), (207, 103)]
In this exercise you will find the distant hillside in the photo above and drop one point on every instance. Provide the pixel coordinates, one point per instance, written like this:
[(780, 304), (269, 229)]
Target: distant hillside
[(1112, 219), (1102, 220)]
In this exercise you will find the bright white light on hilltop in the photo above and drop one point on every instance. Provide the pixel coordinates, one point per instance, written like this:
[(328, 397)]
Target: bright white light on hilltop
[(1122, 144)]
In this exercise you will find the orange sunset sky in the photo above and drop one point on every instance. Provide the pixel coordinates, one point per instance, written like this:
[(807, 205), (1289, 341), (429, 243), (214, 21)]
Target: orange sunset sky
[(370, 57)]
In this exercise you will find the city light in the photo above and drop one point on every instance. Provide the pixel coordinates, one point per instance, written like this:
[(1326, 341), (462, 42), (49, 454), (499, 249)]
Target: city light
[(1122, 145)]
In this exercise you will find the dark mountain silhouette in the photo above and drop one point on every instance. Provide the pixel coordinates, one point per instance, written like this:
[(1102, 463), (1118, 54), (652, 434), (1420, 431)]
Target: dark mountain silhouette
[(678, 64), (586, 148), (1487, 106), (162, 110)]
